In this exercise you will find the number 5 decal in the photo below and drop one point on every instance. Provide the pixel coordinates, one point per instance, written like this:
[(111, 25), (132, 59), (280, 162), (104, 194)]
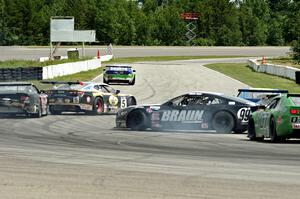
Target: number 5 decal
[(123, 102), (244, 114)]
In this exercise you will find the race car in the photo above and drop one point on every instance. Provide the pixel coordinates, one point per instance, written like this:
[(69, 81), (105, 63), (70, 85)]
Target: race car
[(191, 111), (22, 98), (259, 95), (88, 97), (279, 120), (120, 73)]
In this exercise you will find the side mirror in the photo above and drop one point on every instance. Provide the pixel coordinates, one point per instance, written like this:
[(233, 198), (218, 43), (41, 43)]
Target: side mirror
[(117, 92), (42, 92), (104, 69), (134, 71)]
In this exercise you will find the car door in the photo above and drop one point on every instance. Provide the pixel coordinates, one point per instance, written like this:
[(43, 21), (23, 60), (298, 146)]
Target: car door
[(263, 119), (185, 112)]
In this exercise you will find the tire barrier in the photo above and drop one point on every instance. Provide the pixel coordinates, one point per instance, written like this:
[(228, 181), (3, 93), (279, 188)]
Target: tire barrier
[(278, 70), (21, 74)]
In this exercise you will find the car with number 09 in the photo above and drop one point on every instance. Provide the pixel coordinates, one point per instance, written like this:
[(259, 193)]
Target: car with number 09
[(88, 97), (192, 111), (279, 120)]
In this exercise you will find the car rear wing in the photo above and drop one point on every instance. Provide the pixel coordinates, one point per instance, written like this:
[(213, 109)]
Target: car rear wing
[(57, 82), (293, 95), (263, 90)]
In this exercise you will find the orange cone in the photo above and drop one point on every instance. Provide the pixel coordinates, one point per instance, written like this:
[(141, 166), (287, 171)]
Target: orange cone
[(263, 61), (98, 54)]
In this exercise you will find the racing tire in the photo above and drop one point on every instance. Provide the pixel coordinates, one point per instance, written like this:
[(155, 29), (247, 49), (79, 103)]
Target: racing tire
[(133, 82), (273, 133), (223, 122), (131, 101), (105, 82), (53, 111), (98, 106), (251, 131), (137, 120)]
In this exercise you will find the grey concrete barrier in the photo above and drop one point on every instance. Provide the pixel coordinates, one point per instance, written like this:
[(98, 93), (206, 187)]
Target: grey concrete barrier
[(278, 70)]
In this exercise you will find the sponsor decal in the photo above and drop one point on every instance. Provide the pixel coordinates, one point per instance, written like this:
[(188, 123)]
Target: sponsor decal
[(231, 103), (296, 126), (244, 114), (113, 100), (279, 119), (184, 116)]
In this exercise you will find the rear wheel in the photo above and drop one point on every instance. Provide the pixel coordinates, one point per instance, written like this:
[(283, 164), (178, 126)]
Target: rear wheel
[(252, 132), (98, 106), (38, 114), (137, 120), (131, 101), (273, 133), (133, 81), (223, 122)]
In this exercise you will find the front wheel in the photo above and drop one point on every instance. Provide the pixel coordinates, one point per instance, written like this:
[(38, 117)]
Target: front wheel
[(223, 122), (137, 120)]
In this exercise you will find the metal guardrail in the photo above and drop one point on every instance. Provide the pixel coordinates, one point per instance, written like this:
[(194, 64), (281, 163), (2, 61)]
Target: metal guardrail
[(21, 74)]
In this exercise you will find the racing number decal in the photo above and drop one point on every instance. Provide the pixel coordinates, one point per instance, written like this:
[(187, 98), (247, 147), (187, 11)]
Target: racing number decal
[(123, 102), (244, 114)]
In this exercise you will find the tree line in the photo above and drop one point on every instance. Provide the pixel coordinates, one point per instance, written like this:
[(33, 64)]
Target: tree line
[(156, 22)]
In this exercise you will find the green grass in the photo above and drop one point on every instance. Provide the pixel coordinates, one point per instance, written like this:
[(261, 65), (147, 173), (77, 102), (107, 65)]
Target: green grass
[(29, 63), (164, 58), (82, 76), (286, 61), (246, 75)]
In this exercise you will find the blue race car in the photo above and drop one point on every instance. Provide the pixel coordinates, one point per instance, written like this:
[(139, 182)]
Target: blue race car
[(259, 95)]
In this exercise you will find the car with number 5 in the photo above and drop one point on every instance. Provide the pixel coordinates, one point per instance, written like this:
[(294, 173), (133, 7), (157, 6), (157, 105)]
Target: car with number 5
[(278, 120), (192, 111), (88, 97)]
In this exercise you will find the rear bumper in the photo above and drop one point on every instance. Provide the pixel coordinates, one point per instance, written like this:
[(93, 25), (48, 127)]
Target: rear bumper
[(71, 107)]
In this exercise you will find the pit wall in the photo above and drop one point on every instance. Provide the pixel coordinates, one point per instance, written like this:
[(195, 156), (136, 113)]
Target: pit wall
[(58, 70), (278, 70)]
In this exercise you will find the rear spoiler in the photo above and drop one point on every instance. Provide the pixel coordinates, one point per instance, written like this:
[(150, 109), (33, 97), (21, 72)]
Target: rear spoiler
[(263, 90), (293, 95), (56, 82)]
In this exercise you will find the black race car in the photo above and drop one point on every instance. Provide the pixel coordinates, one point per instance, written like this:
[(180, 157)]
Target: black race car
[(22, 98), (192, 111)]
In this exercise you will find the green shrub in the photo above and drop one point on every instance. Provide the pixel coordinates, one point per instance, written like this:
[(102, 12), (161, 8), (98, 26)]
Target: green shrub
[(296, 50)]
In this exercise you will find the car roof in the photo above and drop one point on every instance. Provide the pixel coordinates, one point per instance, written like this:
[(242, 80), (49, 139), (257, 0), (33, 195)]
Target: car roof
[(119, 65), (204, 92)]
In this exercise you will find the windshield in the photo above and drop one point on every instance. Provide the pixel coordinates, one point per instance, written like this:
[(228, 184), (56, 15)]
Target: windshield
[(296, 100), (69, 86), (16, 89)]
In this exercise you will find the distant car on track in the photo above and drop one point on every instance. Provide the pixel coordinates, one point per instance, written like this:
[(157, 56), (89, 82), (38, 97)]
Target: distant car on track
[(22, 98), (259, 95), (119, 73), (191, 111), (88, 97), (279, 120)]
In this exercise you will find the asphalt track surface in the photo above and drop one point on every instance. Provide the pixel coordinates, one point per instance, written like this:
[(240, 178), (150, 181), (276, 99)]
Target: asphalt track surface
[(33, 53), (80, 156)]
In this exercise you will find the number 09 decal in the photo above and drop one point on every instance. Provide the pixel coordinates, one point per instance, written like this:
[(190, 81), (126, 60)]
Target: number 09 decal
[(244, 114)]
